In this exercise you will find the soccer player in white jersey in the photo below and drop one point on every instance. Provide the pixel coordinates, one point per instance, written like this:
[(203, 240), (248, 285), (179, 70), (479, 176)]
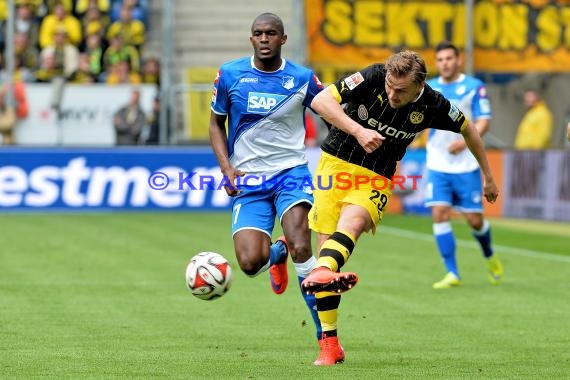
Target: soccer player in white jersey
[(454, 178), (262, 156)]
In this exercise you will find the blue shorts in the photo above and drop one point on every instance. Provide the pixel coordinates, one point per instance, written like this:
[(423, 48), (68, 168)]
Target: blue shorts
[(459, 190), (256, 207)]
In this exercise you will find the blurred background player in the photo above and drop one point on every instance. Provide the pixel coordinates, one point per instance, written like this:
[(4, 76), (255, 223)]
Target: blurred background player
[(263, 98), (454, 177)]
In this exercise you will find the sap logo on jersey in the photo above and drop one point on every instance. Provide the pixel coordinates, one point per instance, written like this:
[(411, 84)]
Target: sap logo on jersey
[(259, 102)]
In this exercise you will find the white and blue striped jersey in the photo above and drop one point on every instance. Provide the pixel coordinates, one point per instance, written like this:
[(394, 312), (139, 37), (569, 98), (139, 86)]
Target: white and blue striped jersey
[(470, 96), (266, 110)]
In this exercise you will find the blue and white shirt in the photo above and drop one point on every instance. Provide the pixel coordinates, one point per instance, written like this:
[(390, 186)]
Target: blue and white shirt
[(266, 124), (470, 96)]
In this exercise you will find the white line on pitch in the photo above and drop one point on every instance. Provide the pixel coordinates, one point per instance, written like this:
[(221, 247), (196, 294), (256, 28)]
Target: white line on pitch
[(471, 244)]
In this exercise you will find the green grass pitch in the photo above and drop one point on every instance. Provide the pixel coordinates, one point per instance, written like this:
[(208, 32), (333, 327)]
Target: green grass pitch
[(103, 296)]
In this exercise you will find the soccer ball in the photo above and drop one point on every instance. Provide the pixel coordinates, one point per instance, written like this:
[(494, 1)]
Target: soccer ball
[(208, 275)]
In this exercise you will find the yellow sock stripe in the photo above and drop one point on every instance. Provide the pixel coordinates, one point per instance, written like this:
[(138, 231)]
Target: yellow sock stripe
[(321, 295), (338, 247), (327, 261), (328, 319), (327, 308), (333, 255)]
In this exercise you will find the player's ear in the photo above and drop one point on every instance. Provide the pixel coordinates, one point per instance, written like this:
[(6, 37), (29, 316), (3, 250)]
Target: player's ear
[(283, 39), (420, 88)]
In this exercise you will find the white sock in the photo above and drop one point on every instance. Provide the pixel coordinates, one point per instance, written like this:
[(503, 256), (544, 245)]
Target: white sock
[(303, 269)]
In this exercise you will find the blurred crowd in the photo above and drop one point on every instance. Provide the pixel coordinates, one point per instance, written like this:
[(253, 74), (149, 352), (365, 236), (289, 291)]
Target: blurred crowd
[(83, 41)]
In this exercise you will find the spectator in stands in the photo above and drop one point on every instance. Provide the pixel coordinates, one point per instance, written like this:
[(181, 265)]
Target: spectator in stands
[(50, 5), (83, 74), (535, 128), (129, 121), (38, 7), (93, 22), (81, 7), (48, 68), (27, 23), (118, 51), (154, 123), (66, 55), (139, 10), (151, 71), (94, 50), (3, 11), (133, 31), (121, 73), (57, 20), (26, 56), (9, 114)]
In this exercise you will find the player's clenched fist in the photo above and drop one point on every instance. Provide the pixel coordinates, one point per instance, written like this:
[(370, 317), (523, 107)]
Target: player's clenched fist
[(369, 139)]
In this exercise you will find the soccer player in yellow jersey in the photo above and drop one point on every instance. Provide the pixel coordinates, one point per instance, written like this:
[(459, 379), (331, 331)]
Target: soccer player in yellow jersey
[(374, 115)]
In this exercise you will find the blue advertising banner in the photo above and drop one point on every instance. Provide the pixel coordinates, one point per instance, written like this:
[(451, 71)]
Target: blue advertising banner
[(110, 178), (138, 178)]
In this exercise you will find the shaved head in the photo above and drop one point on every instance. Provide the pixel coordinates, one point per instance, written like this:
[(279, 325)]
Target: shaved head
[(271, 18)]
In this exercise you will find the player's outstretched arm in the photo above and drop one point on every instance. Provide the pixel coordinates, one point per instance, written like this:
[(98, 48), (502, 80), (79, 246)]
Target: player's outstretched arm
[(327, 104), (477, 147), (481, 125)]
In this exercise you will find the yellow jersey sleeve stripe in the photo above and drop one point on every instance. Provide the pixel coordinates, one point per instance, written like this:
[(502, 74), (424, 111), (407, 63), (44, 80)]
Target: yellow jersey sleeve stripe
[(335, 93), (464, 125)]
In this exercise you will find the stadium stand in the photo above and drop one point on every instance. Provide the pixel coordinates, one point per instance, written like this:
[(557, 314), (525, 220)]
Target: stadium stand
[(78, 40)]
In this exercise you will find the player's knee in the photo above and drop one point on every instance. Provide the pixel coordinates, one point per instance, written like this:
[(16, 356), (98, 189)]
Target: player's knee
[(249, 264), (250, 269), (475, 221), (300, 252), (476, 224), (440, 214)]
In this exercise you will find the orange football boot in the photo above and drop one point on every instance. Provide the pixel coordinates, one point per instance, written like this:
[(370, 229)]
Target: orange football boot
[(322, 279), (331, 352), (278, 276)]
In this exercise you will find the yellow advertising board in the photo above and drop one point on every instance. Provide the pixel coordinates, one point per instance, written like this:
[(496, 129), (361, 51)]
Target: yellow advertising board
[(509, 35), (199, 99)]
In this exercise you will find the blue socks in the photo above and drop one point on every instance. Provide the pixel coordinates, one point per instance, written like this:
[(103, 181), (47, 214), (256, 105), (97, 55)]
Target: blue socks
[(303, 270), (483, 236), (277, 254), (446, 244)]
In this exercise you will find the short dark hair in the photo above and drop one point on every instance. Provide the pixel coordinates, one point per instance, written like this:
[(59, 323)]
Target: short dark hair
[(444, 45), (270, 17)]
